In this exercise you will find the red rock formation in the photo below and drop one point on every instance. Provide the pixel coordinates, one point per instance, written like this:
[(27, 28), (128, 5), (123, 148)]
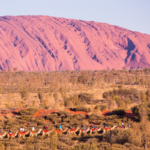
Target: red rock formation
[(34, 43)]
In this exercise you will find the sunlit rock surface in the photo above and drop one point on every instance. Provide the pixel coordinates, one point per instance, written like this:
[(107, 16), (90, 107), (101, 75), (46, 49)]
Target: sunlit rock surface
[(38, 43)]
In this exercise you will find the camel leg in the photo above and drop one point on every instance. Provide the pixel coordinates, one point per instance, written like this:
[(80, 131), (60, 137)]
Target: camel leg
[(79, 133), (68, 132), (90, 131)]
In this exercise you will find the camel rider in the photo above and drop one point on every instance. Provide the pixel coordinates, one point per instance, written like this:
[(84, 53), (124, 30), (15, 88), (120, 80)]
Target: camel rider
[(83, 127), (10, 131), (33, 129), (46, 128), (21, 129), (60, 128), (92, 126), (105, 125), (122, 124), (73, 128)]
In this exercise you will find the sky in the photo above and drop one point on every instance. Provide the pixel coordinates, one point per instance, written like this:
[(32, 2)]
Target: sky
[(131, 14)]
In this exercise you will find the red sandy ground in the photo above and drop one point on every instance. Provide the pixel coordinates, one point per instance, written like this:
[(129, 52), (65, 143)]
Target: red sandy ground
[(43, 112), (10, 112)]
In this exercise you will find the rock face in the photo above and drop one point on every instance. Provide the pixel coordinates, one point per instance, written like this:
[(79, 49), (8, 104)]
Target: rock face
[(33, 43)]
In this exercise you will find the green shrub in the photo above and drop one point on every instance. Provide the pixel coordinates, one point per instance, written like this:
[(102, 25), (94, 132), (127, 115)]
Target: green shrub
[(117, 136), (84, 146), (85, 97), (41, 96), (25, 93), (83, 108), (119, 112), (53, 140), (83, 79), (101, 107), (24, 112)]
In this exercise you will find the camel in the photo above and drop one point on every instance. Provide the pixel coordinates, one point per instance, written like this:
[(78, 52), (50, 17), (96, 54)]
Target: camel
[(73, 131), (44, 132), (3, 135), (12, 135), (22, 134), (81, 131), (94, 130), (65, 131), (124, 127), (32, 133), (58, 131), (106, 129)]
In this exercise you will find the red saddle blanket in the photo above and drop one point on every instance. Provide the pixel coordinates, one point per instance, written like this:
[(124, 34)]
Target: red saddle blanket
[(72, 130), (94, 129), (10, 134), (121, 127), (107, 128), (46, 130), (58, 131), (21, 132), (83, 130)]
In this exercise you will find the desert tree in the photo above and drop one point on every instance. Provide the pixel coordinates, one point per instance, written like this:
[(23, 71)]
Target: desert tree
[(41, 96), (53, 140)]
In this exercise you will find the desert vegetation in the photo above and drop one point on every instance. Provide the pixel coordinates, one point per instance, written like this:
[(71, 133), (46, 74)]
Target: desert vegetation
[(75, 99)]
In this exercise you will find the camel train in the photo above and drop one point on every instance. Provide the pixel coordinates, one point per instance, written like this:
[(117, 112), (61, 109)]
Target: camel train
[(46, 132)]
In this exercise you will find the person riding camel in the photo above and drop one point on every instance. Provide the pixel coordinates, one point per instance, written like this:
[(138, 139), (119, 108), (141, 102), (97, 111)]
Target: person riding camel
[(33, 129), (10, 132), (122, 124), (60, 128), (73, 128), (47, 128), (44, 128), (83, 127), (0, 132), (22, 130), (91, 126), (105, 125)]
